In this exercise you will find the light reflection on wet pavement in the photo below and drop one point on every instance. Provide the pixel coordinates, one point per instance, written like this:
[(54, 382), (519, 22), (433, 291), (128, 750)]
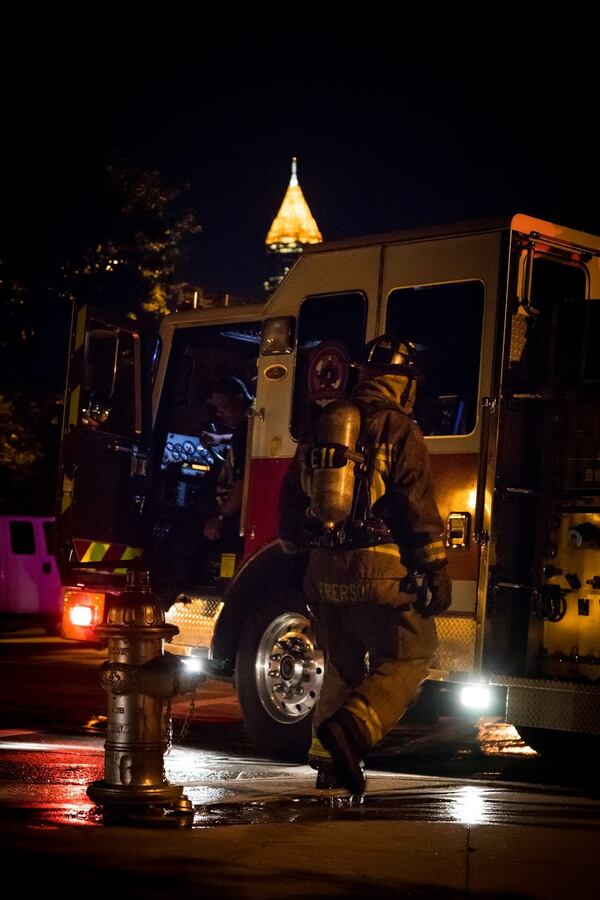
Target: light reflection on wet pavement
[(43, 780), (456, 810), (468, 805), (260, 829)]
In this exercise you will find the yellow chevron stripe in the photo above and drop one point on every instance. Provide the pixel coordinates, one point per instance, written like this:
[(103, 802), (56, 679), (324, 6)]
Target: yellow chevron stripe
[(95, 552), (131, 553)]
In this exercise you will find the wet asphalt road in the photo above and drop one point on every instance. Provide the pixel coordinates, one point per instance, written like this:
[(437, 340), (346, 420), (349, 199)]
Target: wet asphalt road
[(459, 809), (52, 684), (260, 830)]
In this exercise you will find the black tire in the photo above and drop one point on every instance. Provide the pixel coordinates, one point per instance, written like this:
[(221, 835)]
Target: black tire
[(560, 745), (277, 696)]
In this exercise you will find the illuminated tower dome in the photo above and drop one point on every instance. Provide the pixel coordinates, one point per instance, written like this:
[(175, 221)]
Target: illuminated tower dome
[(292, 228)]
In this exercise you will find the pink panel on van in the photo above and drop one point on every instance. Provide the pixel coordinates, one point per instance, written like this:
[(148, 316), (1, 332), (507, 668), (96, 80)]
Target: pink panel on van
[(29, 580)]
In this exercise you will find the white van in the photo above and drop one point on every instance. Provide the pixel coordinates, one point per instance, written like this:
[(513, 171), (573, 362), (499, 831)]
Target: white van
[(30, 589)]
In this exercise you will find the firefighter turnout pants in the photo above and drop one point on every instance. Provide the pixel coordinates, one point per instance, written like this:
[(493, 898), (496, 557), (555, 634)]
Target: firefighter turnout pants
[(376, 656)]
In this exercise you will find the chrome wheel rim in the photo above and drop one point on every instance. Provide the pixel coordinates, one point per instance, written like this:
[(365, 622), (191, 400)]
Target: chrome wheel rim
[(289, 668)]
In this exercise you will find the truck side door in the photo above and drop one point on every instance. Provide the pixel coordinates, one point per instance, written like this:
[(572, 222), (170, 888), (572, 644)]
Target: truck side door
[(104, 475), (443, 296)]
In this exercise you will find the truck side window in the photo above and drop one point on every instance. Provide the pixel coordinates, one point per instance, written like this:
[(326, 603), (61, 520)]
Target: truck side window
[(445, 322), (552, 342), (331, 329), (22, 539), (110, 384)]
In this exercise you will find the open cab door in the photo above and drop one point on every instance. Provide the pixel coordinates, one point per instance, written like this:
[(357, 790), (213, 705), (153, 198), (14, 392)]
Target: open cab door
[(104, 474)]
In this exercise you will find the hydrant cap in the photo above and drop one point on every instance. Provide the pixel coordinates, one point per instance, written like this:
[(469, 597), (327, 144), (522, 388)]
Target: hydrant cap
[(135, 608)]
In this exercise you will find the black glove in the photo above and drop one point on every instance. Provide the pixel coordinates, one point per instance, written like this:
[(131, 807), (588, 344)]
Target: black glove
[(440, 586)]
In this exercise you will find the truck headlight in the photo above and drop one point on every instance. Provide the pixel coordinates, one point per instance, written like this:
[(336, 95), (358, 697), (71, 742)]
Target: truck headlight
[(476, 696)]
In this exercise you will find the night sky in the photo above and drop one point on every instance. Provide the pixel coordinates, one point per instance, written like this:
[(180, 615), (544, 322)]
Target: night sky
[(390, 131)]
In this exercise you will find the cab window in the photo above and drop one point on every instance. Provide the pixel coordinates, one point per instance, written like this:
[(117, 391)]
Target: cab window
[(200, 453), (331, 330), (111, 383), (445, 322)]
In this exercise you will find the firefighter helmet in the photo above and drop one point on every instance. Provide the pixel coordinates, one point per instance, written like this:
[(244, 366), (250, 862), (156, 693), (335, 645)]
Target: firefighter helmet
[(397, 355)]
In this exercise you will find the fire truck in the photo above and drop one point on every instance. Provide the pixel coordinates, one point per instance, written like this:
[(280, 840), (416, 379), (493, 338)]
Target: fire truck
[(505, 316)]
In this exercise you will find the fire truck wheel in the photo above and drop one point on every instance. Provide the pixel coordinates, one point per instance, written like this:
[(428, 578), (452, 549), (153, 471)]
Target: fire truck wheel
[(279, 672)]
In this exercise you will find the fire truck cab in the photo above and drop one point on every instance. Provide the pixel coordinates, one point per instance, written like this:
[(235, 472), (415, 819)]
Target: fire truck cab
[(505, 316)]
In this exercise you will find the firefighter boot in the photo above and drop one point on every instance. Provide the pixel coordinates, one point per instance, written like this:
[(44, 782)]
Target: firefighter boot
[(320, 759), (327, 779), (340, 736)]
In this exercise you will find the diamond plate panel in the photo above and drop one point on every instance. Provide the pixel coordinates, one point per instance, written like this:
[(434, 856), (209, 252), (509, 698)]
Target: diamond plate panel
[(548, 684), (456, 651), (563, 708), (518, 337), (196, 621)]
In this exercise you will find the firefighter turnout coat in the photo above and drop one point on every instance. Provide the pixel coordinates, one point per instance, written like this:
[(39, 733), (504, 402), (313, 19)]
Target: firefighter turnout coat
[(402, 503)]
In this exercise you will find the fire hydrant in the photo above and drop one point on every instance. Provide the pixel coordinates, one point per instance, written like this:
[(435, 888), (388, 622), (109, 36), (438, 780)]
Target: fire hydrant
[(139, 679)]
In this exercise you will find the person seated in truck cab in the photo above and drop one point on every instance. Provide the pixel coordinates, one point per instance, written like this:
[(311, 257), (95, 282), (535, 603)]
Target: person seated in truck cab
[(231, 401)]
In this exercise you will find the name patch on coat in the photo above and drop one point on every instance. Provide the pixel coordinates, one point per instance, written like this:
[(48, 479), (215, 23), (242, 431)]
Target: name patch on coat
[(348, 593)]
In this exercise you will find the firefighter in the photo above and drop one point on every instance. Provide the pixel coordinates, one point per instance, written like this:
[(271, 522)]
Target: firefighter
[(374, 624), (232, 402)]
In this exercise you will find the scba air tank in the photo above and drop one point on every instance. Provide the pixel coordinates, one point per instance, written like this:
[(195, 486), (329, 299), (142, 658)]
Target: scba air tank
[(332, 471)]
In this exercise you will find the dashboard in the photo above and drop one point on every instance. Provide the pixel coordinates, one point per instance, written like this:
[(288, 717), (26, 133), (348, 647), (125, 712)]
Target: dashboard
[(194, 458)]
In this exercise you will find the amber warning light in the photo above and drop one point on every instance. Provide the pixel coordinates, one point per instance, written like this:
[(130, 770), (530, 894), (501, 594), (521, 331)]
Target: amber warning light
[(82, 611), (82, 615)]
